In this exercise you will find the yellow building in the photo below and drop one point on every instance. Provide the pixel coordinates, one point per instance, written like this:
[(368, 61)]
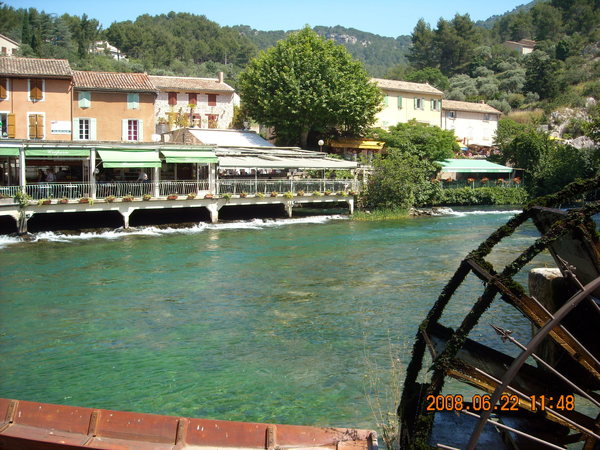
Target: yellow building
[(404, 101)]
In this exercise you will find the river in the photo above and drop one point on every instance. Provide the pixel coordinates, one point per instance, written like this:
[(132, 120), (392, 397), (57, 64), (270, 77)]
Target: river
[(283, 321)]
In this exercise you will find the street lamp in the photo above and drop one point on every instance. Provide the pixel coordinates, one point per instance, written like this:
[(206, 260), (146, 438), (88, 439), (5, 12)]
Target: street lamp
[(321, 143)]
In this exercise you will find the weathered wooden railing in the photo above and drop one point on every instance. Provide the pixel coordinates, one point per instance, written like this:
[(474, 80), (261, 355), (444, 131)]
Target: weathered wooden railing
[(250, 186)]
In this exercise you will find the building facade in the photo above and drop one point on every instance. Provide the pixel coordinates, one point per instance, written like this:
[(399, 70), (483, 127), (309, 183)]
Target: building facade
[(113, 107), (405, 101), (8, 47), (35, 98), (193, 102), (472, 123)]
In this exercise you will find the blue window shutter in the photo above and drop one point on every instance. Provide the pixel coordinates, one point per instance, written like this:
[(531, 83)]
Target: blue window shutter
[(133, 101), (399, 102)]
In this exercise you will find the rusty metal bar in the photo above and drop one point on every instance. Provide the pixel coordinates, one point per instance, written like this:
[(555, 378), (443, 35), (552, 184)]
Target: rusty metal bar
[(550, 411), (513, 430), (560, 334), (505, 335), (535, 341)]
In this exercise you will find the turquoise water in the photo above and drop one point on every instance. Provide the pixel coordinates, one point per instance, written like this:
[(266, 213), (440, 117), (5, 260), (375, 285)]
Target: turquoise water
[(276, 321)]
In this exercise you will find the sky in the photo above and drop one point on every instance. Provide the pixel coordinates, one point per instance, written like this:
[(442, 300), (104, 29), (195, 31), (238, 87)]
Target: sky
[(383, 17)]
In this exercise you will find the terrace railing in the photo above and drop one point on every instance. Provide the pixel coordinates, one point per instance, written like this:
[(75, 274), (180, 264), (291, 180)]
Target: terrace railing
[(250, 186), (76, 190)]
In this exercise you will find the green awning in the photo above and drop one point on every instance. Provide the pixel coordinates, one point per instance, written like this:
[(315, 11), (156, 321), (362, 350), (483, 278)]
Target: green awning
[(53, 152), (129, 158), (473, 166), (189, 156), (9, 151)]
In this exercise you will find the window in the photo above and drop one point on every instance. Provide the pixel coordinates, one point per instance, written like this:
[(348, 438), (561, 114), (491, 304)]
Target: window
[(193, 99), (7, 125), (212, 99), (399, 102), (419, 103), (36, 90), (486, 117), (172, 98), (36, 126), (132, 130), (133, 101), (85, 99), (4, 50), (451, 114), (3, 88), (213, 120), (4, 124), (435, 105), (84, 129)]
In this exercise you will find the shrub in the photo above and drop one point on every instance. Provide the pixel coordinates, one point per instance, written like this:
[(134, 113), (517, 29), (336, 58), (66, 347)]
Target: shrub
[(495, 195)]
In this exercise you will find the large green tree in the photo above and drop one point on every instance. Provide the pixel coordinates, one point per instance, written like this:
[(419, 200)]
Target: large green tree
[(306, 83)]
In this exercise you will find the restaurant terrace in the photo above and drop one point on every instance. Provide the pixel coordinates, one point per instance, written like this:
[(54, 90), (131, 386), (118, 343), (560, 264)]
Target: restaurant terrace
[(75, 177)]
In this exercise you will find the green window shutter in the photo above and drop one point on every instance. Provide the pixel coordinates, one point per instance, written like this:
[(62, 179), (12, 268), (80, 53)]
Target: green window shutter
[(133, 101), (416, 103), (385, 100), (85, 99), (399, 102)]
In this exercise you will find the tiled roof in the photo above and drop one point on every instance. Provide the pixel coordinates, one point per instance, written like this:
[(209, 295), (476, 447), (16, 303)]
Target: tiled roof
[(112, 81), (189, 84), (406, 86), (453, 105), (35, 67)]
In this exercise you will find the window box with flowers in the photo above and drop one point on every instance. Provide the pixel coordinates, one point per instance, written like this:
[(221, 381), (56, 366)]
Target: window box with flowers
[(485, 180), (274, 194), (63, 201), (191, 196), (300, 193), (110, 199), (260, 195), (86, 200), (146, 197), (128, 198), (172, 197), (243, 194), (44, 201), (209, 196)]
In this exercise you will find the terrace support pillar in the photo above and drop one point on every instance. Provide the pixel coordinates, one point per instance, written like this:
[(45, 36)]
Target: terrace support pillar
[(22, 178), (288, 208), (351, 205), (126, 212), (213, 209), (156, 181), (212, 178), (93, 173)]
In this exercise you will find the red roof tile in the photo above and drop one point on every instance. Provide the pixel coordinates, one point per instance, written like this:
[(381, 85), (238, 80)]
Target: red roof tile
[(189, 84), (35, 67), (112, 81)]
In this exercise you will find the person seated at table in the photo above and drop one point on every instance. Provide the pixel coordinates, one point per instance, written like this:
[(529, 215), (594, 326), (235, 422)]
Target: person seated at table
[(50, 177), (41, 176), (143, 177)]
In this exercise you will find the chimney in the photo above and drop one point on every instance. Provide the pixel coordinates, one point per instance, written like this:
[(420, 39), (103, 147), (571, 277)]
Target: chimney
[(220, 77)]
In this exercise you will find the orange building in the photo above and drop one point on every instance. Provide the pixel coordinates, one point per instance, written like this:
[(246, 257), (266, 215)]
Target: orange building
[(35, 98), (114, 107)]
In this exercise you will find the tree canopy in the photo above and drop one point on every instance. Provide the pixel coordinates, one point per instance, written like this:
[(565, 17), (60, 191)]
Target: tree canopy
[(306, 83)]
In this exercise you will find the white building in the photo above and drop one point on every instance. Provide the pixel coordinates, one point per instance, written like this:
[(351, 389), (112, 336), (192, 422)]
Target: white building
[(104, 48), (8, 47), (196, 102), (472, 123), (404, 101)]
